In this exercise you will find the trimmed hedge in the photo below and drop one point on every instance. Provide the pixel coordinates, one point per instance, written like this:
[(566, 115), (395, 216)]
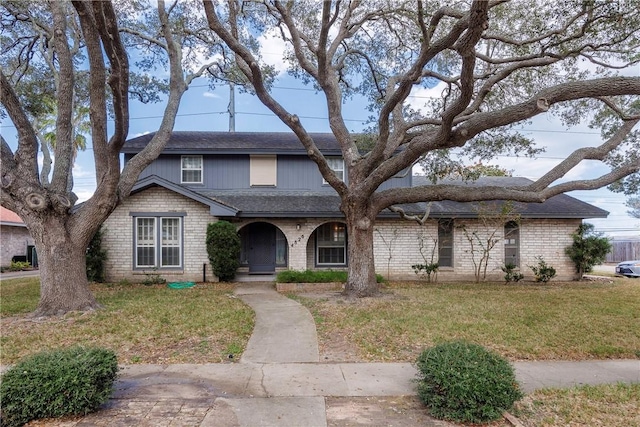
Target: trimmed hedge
[(315, 276), (72, 381), (464, 382)]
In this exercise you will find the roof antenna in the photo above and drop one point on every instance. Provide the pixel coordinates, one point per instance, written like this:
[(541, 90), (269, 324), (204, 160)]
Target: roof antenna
[(232, 107)]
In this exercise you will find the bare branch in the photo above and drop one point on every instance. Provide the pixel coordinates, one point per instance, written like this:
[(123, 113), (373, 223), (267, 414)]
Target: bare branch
[(145, 37), (419, 219), (254, 74)]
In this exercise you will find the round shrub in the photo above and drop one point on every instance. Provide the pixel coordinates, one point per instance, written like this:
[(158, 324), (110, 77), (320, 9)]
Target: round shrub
[(465, 382), (72, 381)]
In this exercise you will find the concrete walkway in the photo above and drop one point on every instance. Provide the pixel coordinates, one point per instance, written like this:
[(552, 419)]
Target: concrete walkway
[(284, 331), (279, 381)]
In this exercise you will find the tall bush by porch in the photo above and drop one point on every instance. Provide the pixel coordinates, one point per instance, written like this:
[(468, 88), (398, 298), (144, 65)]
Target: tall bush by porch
[(223, 248), (589, 249)]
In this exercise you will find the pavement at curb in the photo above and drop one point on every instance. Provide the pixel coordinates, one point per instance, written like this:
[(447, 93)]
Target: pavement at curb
[(279, 382)]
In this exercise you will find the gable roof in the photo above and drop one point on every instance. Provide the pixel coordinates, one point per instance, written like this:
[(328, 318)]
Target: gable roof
[(196, 142), (216, 207)]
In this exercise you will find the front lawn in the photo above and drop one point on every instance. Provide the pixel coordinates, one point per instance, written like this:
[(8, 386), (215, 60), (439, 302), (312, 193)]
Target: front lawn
[(142, 324), (601, 405), (568, 321)]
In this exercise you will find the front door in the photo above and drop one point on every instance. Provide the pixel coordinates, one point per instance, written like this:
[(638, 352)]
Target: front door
[(261, 253)]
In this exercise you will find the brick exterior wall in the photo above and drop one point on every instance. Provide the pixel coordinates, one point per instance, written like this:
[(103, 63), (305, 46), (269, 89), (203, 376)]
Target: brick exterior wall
[(118, 237), (547, 238), (397, 243), (13, 241)]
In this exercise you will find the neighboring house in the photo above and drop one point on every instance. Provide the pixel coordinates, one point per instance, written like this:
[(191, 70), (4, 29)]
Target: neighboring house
[(15, 240), (289, 218)]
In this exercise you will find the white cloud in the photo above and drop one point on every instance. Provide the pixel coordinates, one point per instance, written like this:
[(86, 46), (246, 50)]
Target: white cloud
[(272, 49), (208, 94)]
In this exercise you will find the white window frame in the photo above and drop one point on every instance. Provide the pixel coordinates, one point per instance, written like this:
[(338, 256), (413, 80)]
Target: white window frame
[(327, 244), (158, 241), (174, 242), (336, 164), (149, 241), (184, 169)]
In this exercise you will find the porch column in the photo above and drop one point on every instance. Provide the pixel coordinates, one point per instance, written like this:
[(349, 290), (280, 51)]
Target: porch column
[(297, 234)]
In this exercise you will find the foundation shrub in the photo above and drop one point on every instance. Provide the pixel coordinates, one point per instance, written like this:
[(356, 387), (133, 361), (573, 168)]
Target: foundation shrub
[(543, 271), (223, 248), (464, 382), (315, 276), (71, 381)]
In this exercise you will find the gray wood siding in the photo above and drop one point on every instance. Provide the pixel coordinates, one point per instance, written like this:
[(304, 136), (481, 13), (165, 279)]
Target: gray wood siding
[(226, 172), (299, 173), (404, 181), (232, 172)]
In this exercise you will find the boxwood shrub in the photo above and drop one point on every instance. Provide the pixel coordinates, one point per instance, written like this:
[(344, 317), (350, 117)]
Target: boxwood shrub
[(464, 382), (71, 381)]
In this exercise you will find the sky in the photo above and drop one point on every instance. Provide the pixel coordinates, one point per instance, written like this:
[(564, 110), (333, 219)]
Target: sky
[(206, 109)]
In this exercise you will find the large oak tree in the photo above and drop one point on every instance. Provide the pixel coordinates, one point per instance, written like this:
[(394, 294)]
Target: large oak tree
[(499, 64), (52, 52)]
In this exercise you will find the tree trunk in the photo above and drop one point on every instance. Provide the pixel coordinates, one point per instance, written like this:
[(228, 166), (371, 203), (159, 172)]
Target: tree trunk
[(362, 274), (62, 263)]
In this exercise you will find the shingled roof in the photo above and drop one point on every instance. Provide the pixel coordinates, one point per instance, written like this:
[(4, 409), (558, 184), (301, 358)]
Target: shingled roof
[(192, 142), (303, 203), (291, 203), (560, 206)]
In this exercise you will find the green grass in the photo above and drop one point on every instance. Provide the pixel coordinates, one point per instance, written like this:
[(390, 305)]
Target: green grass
[(19, 295), (522, 321), (601, 405), (142, 324)]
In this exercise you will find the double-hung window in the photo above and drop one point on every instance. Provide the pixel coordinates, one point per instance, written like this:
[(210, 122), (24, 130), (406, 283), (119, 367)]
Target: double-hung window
[(191, 169), (331, 244), (337, 166), (158, 242), (512, 244), (445, 243)]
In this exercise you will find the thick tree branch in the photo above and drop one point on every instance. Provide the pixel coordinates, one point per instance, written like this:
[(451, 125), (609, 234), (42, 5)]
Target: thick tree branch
[(479, 122), (461, 193), (587, 153), (24, 164), (97, 95), (254, 74), (119, 71), (177, 87), (64, 148)]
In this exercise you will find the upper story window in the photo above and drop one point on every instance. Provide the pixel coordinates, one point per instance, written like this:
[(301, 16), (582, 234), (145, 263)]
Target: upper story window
[(512, 244), (191, 169), (263, 170), (445, 243), (337, 166)]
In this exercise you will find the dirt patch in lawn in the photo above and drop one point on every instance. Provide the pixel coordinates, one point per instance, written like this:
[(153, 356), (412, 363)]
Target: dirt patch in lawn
[(338, 345)]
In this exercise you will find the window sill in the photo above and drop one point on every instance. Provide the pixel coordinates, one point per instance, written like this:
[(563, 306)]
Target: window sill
[(144, 272)]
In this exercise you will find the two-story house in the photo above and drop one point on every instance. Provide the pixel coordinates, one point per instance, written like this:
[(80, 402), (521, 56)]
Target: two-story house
[(288, 217)]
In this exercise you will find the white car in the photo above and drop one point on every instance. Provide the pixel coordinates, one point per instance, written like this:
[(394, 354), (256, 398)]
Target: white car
[(629, 268)]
